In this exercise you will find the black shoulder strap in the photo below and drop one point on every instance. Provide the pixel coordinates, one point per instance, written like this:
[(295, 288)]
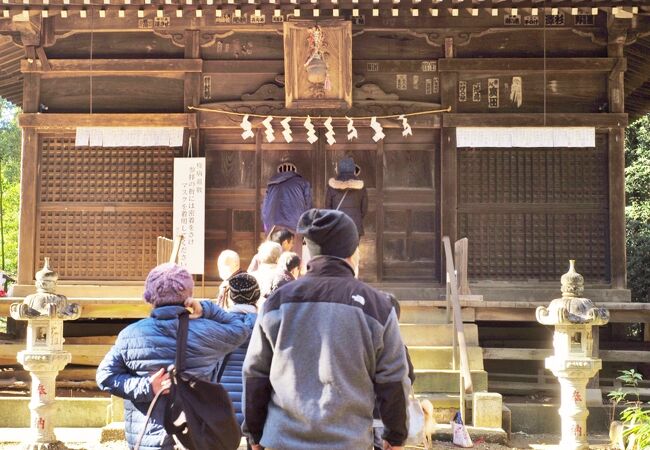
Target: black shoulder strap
[(181, 341), (342, 199), (223, 367)]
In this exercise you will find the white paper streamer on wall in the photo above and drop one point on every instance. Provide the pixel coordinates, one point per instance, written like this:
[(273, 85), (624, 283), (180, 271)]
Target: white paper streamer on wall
[(268, 129), (247, 127), (352, 131), (330, 131), (311, 131), (379, 131), (525, 137), (286, 132), (407, 131), (129, 136)]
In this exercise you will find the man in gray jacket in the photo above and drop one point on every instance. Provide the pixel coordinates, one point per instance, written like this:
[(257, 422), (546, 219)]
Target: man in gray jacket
[(323, 349)]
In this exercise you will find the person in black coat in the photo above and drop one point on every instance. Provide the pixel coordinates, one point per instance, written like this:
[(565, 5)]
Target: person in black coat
[(243, 292), (347, 193)]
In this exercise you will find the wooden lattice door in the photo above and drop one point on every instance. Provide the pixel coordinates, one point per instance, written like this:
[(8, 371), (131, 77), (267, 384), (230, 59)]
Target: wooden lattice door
[(402, 226), (237, 174)]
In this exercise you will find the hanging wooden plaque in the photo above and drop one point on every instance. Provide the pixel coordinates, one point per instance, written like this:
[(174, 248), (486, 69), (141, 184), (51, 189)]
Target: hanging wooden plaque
[(318, 64)]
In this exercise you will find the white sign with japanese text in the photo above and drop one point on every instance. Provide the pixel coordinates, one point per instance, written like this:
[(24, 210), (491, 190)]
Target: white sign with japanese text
[(189, 211)]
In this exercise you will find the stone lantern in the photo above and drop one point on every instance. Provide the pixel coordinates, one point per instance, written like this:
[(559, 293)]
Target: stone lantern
[(573, 362), (44, 356)]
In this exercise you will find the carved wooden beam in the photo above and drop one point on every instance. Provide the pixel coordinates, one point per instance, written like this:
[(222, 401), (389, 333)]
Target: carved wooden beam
[(535, 120), (71, 121), (528, 65), (115, 66)]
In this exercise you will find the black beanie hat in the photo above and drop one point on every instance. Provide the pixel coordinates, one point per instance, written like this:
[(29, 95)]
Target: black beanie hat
[(328, 232), (244, 289)]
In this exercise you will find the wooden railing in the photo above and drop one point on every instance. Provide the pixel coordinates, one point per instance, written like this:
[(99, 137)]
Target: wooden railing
[(454, 315), (167, 249)]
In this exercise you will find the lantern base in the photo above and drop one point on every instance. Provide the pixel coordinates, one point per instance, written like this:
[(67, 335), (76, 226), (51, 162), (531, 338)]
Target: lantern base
[(56, 445)]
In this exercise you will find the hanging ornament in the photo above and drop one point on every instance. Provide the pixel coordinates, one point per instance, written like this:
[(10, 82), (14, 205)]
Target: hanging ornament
[(407, 131), (311, 131), (330, 131), (247, 127), (352, 131), (270, 136), (286, 132), (379, 131), (316, 65)]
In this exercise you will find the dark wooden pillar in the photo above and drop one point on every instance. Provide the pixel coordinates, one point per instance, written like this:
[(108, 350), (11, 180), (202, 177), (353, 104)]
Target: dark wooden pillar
[(617, 36), (448, 158), (192, 83), (28, 183), (28, 210)]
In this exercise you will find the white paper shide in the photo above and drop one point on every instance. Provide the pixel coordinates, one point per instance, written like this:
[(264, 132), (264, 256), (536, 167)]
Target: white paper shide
[(189, 211)]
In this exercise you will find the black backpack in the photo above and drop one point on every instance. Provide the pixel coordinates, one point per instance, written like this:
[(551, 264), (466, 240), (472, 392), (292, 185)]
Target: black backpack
[(198, 414)]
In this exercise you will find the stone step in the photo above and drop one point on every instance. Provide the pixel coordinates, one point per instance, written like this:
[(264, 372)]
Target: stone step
[(488, 435), (427, 380), (427, 314), (69, 412), (436, 334), (436, 357)]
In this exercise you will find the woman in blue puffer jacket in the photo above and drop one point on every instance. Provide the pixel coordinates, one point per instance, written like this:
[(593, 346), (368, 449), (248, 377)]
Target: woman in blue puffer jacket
[(243, 292), (134, 368)]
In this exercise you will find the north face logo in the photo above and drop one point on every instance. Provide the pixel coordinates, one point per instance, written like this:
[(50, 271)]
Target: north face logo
[(359, 299)]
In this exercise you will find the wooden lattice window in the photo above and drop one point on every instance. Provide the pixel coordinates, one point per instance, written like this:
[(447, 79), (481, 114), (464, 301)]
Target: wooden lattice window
[(102, 245), (105, 174), (526, 212), (100, 210), (535, 247)]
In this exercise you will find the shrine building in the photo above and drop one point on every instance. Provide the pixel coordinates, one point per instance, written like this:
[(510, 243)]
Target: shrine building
[(516, 110)]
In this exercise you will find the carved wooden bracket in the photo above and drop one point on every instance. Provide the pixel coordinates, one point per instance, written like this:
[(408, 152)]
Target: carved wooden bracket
[(269, 91), (371, 91), (275, 92)]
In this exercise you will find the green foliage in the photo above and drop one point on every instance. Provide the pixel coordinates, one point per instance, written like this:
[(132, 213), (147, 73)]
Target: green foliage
[(637, 212), (10, 137), (636, 417)]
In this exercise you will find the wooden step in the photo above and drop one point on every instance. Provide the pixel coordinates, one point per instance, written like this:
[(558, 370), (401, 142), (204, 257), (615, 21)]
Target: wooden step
[(429, 314), (447, 380), (429, 357), (436, 334)]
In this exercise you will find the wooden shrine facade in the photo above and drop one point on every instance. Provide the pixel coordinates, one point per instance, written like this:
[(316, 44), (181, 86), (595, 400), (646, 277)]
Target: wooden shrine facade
[(97, 211)]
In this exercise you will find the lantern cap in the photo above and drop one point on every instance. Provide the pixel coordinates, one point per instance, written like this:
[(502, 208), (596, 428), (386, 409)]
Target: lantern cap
[(572, 308)]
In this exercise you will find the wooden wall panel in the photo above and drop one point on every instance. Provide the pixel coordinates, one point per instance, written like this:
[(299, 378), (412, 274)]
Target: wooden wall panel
[(567, 93), (387, 45), (245, 46), (526, 212), (100, 210), (529, 43), (136, 44), (112, 94)]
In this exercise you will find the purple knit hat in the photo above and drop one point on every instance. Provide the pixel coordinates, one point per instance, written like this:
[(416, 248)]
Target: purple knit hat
[(168, 284)]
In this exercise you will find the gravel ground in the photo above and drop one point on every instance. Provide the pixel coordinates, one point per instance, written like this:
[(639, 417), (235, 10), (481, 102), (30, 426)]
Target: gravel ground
[(518, 441)]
